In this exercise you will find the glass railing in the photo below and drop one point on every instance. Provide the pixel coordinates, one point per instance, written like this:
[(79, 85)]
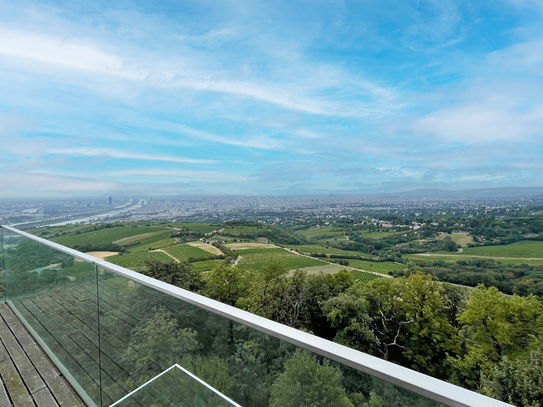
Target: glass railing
[(124, 339)]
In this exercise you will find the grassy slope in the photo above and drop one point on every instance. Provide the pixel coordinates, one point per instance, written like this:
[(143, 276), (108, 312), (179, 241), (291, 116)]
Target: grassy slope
[(307, 249), (256, 259), (520, 249), (184, 251), (136, 261), (106, 235)]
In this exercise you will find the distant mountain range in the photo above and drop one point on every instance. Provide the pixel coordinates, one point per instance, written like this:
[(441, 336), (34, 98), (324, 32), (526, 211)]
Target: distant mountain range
[(504, 192)]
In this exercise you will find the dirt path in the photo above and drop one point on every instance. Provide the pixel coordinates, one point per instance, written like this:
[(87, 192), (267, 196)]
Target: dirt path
[(166, 253)]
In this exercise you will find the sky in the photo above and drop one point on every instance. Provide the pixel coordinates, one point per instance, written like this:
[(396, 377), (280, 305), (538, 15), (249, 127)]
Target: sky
[(269, 97)]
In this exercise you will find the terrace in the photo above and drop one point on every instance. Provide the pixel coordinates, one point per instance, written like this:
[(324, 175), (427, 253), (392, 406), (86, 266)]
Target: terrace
[(120, 338)]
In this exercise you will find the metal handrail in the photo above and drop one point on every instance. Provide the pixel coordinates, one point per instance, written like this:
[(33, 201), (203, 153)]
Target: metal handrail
[(427, 386)]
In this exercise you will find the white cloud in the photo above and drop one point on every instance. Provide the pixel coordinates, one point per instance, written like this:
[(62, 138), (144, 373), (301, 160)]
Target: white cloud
[(174, 175), (483, 122), (67, 53), (98, 152), (259, 142)]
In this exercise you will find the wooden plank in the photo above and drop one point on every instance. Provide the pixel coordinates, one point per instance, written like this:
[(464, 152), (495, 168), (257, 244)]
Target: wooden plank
[(13, 382), (59, 388), (4, 399), (26, 370), (17, 327), (44, 398), (60, 352)]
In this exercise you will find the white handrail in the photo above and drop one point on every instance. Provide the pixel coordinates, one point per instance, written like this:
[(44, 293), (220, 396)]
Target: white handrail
[(408, 379)]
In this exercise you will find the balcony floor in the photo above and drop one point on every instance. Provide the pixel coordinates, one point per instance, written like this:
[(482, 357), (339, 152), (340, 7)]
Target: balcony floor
[(28, 377)]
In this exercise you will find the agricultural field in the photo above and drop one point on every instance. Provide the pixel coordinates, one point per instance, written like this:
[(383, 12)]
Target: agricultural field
[(257, 259), (136, 261), (430, 257), (158, 244), (525, 249), (202, 227), (206, 265), (308, 249), (105, 236), (322, 232), (249, 245), (183, 252), (361, 276), (326, 269), (462, 239), (381, 235), (206, 247), (377, 267)]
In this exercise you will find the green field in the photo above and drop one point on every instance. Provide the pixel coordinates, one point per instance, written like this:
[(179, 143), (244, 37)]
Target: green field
[(156, 242), (315, 248), (256, 259), (524, 248), (205, 265), (202, 227), (105, 236), (136, 261), (183, 252), (360, 275), (461, 239), (457, 257), (322, 233), (380, 235), (377, 267)]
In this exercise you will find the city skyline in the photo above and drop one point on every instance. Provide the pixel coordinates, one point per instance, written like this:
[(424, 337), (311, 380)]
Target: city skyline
[(269, 98)]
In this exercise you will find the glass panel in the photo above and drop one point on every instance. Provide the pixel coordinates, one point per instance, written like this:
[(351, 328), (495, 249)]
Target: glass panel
[(55, 295), (176, 387), (2, 274), (145, 331)]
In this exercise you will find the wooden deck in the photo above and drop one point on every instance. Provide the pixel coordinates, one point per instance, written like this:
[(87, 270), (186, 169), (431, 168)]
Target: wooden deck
[(28, 377)]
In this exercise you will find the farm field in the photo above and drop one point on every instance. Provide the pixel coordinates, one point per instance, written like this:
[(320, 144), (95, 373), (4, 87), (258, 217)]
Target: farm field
[(256, 259), (461, 239), (205, 265), (158, 244), (307, 249), (202, 227), (183, 252), (381, 235), (249, 245), (136, 261), (105, 236), (360, 275), (526, 248), (323, 231), (206, 247), (429, 257), (326, 269), (377, 267)]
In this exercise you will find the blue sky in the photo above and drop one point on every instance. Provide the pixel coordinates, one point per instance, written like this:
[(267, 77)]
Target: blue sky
[(269, 97)]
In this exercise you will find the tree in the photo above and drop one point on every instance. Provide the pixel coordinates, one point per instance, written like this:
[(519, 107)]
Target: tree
[(518, 381), (179, 274), (403, 320), (158, 344), (494, 325), (226, 284), (308, 383)]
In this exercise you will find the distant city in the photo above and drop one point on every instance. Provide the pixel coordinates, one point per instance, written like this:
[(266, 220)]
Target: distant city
[(275, 210)]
